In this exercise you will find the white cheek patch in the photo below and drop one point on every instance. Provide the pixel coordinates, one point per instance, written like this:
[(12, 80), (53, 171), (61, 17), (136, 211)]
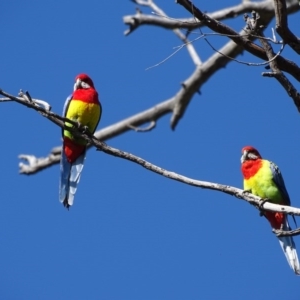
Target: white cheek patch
[(252, 156), (84, 85)]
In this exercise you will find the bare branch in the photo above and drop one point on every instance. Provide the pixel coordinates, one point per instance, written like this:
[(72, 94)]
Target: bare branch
[(251, 37), (104, 134), (279, 232), (38, 101), (195, 57), (253, 25), (238, 193), (56, 119), (177, 104), (150, 115), (263, 7), (92, 140), (33, 164), (202, 73), (287, 85), (284, 64), (37, 164), (282, 26)]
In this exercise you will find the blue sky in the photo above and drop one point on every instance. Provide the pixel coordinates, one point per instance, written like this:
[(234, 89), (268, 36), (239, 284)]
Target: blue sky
[(132, 234)]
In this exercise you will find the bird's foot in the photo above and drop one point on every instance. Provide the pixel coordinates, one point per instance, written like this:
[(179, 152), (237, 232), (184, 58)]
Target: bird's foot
[(83, 128), (247, 191), (86, 130), (261, 206)]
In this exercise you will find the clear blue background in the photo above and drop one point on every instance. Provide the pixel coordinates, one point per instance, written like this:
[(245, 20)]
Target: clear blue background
[(132, 234)]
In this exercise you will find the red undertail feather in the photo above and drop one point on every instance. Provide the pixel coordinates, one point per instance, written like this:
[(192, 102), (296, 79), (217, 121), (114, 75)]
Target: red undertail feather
[(72, 150), (276, 219)]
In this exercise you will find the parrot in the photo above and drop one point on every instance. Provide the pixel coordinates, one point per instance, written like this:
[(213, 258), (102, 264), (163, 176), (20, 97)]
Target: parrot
[(82, 106), (264, 179)]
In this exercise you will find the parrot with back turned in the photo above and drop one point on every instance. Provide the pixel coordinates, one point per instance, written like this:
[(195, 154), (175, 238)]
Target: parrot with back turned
[(263, 178), (84, 107)]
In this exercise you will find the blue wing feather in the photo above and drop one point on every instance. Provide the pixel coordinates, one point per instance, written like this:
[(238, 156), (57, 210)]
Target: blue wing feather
[(75, 173), (69, 178), (65, 166), (65, 109), (289, 248), (67, 103), (64, 183), (278, 180)]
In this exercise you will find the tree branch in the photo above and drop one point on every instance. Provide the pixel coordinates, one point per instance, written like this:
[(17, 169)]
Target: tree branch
[(258, 202), (91, 139), (152, 114), (263, 7), (194, 55), (253, 26), (202, 73), (176, 104), (284, 64), (183, 98), (279, 232), (282, 26)]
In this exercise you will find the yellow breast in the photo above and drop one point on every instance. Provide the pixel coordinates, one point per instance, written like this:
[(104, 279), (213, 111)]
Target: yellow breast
[(87, 114), (262, 184)]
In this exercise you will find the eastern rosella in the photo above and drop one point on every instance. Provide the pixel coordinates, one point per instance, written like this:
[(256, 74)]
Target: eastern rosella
[(263, 178), (82, 106)]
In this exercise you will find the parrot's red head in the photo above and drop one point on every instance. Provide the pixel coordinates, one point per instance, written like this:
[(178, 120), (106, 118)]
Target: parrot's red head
[(83, 81), (249, 153)]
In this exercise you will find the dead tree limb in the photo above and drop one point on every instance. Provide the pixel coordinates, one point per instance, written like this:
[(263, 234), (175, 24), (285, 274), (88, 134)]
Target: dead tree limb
[(99, 145), (282, 26), (283, 63), (253, 26)]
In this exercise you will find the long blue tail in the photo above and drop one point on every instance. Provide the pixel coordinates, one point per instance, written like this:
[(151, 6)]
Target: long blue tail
[(69, 178), (289, 248)]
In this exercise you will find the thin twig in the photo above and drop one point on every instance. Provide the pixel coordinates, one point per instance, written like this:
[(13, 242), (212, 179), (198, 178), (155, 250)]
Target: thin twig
[(193, 54), (203, 35), (279, 232)]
